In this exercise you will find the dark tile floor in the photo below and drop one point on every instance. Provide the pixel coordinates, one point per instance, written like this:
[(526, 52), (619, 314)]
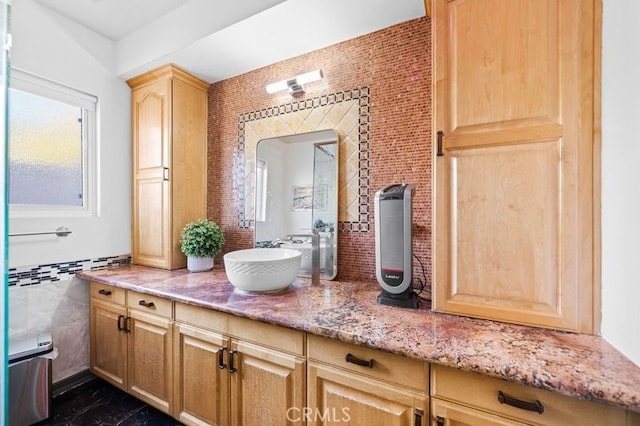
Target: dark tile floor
[(99, 403)]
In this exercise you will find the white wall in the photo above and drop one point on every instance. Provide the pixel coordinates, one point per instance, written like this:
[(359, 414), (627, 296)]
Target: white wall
[(56, 49), (621, 176), (298, 162)]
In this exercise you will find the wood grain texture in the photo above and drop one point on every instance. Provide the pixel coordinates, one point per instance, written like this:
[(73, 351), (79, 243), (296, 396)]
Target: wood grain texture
[(460, 415), (388, 367), (150, 359), (355, 399), (514, 83), (266, 386), (108, 352), (201, 389), (480, 392), (169, 110)]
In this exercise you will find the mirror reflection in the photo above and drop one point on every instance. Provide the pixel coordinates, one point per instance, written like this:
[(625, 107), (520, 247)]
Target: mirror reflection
[(296, 196)]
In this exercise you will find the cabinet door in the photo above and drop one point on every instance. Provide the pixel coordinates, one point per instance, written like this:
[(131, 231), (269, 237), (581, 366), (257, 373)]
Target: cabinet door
[(108, 344), (151, 174), (150, 359), (268, 387), (201, 386), (336, 396), (445, 413), (513, 214)]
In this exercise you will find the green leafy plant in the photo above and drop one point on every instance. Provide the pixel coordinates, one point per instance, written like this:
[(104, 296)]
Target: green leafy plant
[(201, 238)]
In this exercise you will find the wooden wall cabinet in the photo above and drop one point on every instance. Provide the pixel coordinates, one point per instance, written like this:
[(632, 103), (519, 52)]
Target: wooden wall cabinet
[(231, 370), (131, 343), (516, 161), (169, 124), (460, 398), (355, 385)]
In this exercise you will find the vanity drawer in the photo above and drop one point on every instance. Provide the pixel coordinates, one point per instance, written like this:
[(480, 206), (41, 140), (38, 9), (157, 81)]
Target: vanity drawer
[(107, 293), (482, 392), (148, 303), (273, 336), (382, 365)]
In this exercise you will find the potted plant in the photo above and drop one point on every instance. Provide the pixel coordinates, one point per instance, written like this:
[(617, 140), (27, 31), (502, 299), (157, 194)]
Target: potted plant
[(201, 239)]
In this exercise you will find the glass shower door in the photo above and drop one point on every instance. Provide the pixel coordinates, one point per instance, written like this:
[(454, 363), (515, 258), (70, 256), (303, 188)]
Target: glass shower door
[(4, 67)]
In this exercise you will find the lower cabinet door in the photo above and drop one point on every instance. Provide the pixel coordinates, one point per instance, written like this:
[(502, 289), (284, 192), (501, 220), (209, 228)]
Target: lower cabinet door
[(201, 379), (340, 397), (267, 386), (150, 359), (445, 413), (108, 343)]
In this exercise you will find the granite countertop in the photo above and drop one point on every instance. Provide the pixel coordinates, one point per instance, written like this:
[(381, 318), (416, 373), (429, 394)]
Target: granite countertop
[(577, 365)]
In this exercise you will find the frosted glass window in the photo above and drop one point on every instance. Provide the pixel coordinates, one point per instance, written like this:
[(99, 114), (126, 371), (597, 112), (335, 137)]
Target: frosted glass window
[(45, 151), (52, 154)]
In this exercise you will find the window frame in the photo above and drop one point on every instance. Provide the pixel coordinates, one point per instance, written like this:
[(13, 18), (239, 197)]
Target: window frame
[(32, 84)]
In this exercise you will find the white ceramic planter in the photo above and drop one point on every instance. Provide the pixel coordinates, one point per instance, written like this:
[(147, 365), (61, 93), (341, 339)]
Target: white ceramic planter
[(199, 264)]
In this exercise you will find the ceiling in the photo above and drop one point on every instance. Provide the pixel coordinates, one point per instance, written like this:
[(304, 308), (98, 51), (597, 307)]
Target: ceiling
[(218, 39), (113, 19)]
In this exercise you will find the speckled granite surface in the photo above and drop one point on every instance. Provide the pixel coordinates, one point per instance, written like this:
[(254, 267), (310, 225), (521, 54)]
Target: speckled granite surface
[(577, 365)]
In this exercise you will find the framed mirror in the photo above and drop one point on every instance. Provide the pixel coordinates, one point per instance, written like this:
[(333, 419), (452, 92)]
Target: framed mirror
[(296, 191)]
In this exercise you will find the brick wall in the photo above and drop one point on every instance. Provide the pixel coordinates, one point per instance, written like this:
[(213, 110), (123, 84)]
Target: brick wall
[(395, 64)]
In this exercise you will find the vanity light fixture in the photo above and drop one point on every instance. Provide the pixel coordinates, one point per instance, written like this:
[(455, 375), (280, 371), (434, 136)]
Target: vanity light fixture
[(295, 84)]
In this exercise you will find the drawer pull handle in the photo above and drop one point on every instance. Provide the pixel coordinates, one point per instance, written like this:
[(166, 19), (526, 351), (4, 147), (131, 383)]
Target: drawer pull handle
[(232, 368), (121, 323), (362, 362), (221, 364), (417, 416), (104, 292), (146, 304), (524, 405), (439, 143), (127, 322), (439, 421)]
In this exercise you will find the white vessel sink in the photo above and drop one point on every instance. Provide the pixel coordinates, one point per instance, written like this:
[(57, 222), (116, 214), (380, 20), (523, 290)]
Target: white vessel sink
[(262, 269)]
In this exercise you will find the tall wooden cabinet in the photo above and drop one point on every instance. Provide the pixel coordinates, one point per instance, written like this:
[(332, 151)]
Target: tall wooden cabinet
[(169, 108), (515, 131)]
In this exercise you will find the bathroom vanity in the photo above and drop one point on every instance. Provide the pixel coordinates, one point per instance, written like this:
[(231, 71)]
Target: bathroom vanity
[(236, 358)]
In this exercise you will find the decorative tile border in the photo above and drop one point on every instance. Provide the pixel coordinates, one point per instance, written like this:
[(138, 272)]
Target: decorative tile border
[(51, 272), (362, 95)]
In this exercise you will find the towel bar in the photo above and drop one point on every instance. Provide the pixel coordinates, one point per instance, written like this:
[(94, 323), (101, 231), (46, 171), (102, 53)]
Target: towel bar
[(62, 231)]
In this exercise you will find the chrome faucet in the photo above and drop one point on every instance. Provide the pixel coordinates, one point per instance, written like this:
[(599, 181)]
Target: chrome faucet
[(315, 253)]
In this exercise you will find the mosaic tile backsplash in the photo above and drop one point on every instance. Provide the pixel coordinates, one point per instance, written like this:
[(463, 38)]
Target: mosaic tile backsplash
[(52, 272), (394, 66)]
